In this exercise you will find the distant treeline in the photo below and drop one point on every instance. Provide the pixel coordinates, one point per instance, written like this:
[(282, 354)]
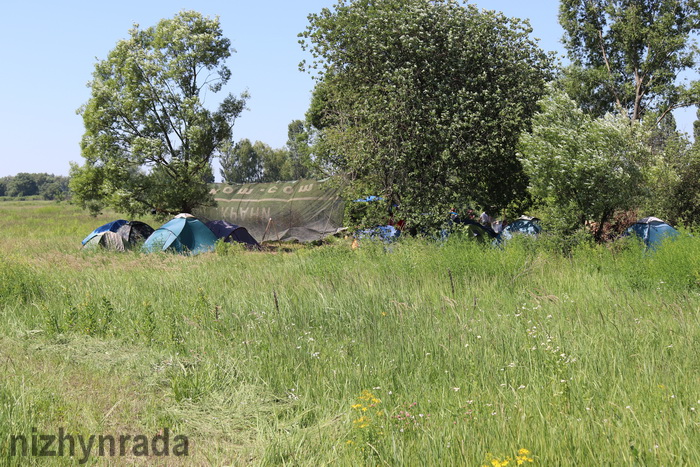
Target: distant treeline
[(48, 186)]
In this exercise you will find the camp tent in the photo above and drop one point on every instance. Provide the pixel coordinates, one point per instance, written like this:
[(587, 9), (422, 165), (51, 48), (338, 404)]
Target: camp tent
[(184, 235), (523, 225), (108, 227), (652, 231), (107, 239), (385, 233), (135, 231), (474, 230), (232, 233)]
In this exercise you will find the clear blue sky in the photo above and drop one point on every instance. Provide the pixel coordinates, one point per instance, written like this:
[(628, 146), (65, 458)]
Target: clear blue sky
[(49, 48)]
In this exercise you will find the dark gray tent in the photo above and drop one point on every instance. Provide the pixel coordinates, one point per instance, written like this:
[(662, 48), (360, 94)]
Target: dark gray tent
[(134, 232), (232, 233), (108, 240)]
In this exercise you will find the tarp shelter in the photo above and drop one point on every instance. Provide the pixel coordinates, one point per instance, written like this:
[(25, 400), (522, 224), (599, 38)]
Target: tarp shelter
[(652, 231), (303, 210), (135, 231), (232, 233), (107, 239), (184, 235), (108, 227)]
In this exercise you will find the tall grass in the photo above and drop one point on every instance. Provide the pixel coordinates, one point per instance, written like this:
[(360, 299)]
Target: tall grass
[(418, 353)]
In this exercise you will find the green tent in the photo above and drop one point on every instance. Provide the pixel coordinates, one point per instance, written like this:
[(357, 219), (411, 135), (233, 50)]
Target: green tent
[(185, 235)]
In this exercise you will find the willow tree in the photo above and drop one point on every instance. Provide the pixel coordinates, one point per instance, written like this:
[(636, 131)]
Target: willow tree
[(422, 101), (149, 140)]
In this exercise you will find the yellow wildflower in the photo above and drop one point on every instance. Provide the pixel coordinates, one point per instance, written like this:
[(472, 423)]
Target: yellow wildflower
[(523, 456), (357, 406)]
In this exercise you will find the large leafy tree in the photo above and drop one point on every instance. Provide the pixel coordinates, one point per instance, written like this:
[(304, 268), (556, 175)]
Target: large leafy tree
[(423, 101), (149, 140), (627, 54), (580, 167)]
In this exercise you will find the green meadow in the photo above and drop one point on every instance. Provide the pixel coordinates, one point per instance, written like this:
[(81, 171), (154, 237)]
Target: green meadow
[(414, 354)]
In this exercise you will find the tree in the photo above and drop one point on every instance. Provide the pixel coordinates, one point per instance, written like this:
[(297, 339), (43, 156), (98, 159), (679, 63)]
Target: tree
[(245, 162), (299, 151), (22, 184), (149, 140), (276, 163), (580, 167), (422, 102), (240, 163), (627, 54)]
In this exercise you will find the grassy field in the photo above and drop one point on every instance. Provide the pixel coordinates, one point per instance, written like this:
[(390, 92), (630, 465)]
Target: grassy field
[(417, 354)]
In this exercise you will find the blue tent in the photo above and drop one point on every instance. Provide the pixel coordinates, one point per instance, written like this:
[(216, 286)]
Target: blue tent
[(108, 227), (368, 199), (386, 233), (184, 235), (232, 233), (523, 225), (652, 231)]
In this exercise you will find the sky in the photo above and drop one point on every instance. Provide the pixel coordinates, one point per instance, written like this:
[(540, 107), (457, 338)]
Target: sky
[(49, 50)]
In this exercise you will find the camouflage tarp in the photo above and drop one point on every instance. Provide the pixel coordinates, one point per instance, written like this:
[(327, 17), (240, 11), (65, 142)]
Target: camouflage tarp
[(303, 210)]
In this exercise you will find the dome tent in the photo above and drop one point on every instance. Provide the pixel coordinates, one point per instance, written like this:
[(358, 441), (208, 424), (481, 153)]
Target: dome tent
[(131, 232), (523, 225), (108, 227), (232, 233), (186, 235), (652, 231), (108, 240), (135, 231)]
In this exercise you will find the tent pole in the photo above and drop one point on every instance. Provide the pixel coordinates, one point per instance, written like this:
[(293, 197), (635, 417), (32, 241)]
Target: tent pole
[(266, 230)]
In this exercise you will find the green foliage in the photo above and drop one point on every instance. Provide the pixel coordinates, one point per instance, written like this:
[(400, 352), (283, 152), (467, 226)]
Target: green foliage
[(627, 55), (423, 102), (240, 163), (299, 150), (686, 192), (583, 168), (148, 139), (48, 186), (245, 162)]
